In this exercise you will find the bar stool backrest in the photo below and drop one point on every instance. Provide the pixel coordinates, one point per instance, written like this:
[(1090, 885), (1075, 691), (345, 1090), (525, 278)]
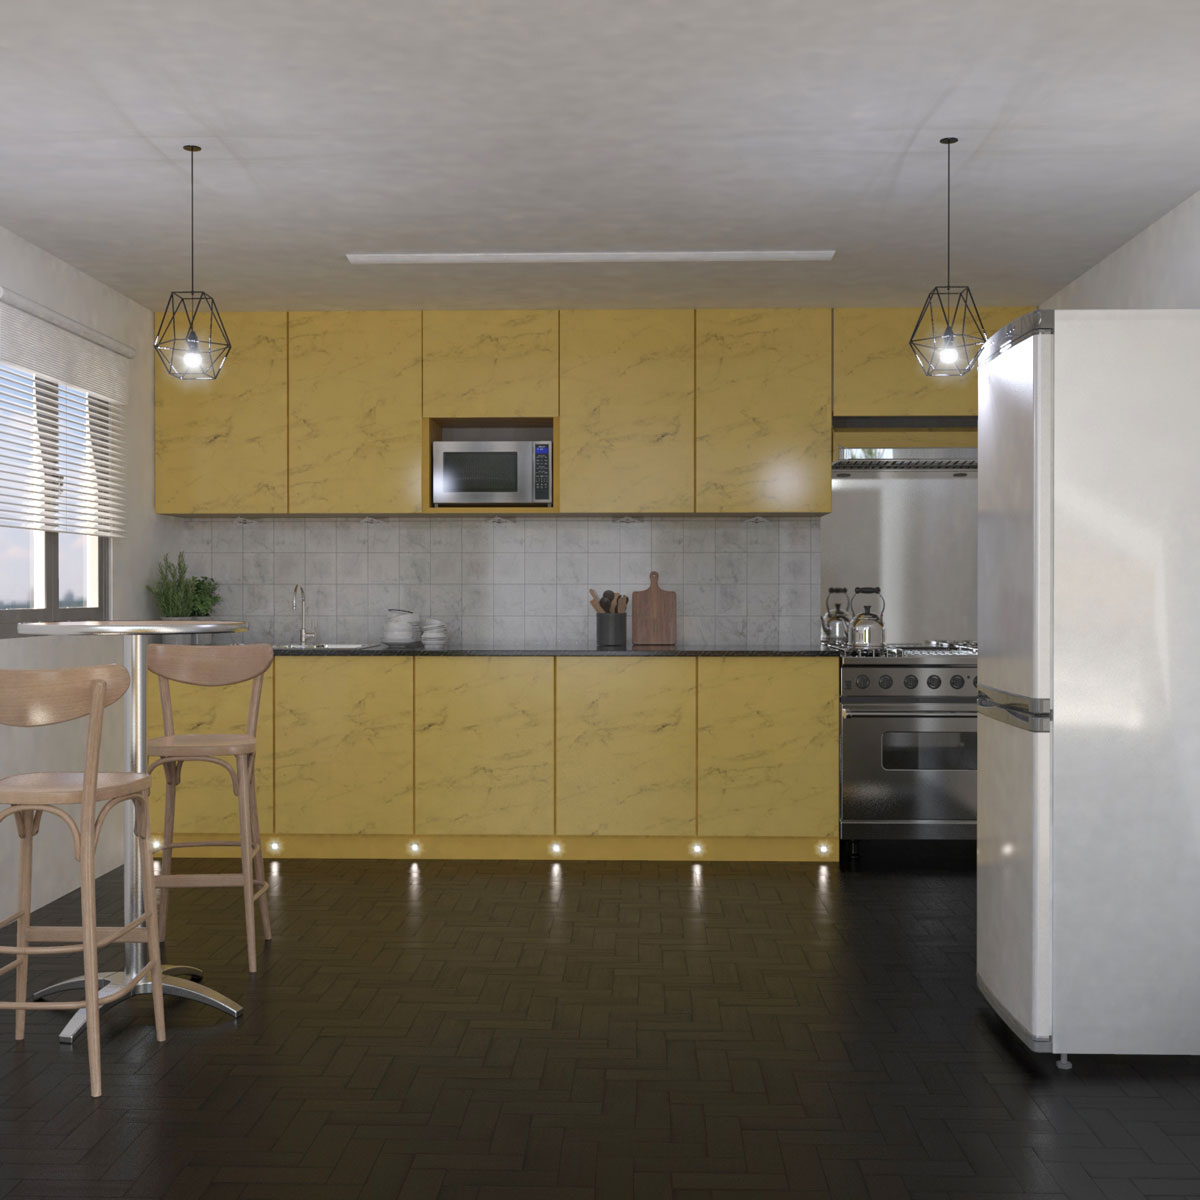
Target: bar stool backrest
[(29, 698), (209, 666)]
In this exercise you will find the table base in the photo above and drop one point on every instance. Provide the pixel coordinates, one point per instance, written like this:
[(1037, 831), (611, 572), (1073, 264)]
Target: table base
[(180, 981)]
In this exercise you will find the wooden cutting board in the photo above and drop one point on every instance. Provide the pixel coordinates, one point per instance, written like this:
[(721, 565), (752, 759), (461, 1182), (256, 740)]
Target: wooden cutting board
[(654, 615)]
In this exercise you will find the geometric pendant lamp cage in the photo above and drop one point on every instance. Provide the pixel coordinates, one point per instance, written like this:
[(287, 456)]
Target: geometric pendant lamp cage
[(191, 340), (949, 333)]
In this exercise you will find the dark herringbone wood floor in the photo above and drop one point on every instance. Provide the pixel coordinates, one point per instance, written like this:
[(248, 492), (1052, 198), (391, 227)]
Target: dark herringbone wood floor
[(515, 1030)]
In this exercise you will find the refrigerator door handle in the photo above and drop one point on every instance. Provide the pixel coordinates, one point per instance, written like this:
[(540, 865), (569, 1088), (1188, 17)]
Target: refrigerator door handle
[(1021, 718), (1036, 706)]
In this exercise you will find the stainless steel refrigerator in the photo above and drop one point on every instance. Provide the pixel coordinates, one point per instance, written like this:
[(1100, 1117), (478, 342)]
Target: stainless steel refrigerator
[(1089, 681)]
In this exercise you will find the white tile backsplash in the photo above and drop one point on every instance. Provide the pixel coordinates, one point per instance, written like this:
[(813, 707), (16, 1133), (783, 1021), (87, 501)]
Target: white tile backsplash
[(513, 583)]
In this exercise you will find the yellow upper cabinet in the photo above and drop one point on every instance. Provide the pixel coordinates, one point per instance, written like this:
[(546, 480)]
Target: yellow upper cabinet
[(763, 415), (627, 418), (491, 364), (220, 445), (875, 374), (354, 412)]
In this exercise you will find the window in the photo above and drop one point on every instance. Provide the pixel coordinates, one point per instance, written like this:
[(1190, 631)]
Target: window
[(59, 499)]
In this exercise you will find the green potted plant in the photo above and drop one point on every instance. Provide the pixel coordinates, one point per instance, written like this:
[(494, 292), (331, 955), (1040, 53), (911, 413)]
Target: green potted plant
[(178, 594)]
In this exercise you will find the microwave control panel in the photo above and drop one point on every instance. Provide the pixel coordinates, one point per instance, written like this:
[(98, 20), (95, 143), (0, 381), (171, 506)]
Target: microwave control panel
[(541, 473)]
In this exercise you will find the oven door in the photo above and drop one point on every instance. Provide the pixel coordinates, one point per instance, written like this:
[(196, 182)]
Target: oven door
[(908, 774), (483, 473)]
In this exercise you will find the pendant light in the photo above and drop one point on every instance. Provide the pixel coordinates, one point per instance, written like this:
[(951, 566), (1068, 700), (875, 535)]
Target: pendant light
[(191, 338), (949, 333)]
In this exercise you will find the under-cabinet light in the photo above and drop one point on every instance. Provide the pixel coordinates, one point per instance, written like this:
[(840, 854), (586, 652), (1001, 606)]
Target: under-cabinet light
[(588, 256)]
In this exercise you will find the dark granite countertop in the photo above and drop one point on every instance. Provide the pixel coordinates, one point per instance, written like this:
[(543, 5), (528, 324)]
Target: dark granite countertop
[(381, 651)]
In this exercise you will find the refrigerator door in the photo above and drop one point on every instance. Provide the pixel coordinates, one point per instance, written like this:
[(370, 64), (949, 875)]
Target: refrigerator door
[(1015, 520), (1014, 918)]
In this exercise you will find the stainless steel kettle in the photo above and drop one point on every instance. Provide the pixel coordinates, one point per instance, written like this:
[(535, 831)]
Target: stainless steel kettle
[(866, 630), (835, 624)]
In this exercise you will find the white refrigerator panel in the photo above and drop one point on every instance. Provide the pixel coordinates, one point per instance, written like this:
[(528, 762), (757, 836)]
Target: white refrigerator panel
[(1126, 772), (1015, 510), (1013, 855)]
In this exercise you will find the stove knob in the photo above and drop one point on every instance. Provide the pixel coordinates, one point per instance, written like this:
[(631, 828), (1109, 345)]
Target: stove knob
[(956, 681), (934, 681), (863, 681), (910, 682), (885, 681), (974, 681)]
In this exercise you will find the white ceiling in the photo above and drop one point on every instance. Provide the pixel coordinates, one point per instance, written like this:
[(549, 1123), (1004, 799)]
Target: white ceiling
[(519, 125)]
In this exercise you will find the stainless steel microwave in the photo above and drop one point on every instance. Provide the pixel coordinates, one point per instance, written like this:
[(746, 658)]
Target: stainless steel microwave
[(487, 473)]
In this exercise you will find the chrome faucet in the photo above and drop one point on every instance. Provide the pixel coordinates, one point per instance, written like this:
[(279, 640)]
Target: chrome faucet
[(305, 633)]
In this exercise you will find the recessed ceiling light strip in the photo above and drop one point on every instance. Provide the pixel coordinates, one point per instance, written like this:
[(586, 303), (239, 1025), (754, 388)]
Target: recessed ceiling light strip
[(592, 256)]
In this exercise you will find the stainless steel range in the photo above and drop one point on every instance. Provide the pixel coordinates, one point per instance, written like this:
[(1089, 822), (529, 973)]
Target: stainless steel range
[(909, 742)]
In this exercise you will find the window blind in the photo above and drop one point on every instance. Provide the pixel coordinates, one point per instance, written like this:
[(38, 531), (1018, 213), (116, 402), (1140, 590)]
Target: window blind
[(61, 457)]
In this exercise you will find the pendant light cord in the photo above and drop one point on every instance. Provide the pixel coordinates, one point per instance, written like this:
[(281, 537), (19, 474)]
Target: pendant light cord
[(192, 156), (947, 218)]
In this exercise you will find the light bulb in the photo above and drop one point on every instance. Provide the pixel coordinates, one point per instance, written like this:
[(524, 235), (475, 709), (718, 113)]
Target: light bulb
[(948, 355), (193, 361)]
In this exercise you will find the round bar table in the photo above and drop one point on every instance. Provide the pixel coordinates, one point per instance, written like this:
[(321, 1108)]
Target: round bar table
[(177, 980)]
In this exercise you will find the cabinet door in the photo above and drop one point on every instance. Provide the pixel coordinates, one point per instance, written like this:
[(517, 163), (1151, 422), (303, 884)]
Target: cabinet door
[(491, 364), (626, 747), (354, 412), (205, 802), (875, 374), (763, 419), (485, 745), (343, 745), (626, 439), (220, 445), (768, 747)]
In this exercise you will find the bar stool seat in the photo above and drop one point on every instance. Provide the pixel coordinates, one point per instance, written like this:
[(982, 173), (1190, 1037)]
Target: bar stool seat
[(66, 787), (188, 745)]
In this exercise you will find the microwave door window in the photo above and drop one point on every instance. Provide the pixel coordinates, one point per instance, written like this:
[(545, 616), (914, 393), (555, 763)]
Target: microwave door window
[(478, 473)]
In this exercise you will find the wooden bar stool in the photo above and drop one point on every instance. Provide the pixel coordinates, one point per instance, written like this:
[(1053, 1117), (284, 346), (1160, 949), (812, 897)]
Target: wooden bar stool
[(34, 698), (213, 666)]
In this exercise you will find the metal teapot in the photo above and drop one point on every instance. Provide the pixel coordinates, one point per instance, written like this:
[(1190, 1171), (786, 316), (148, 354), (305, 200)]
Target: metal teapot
[(835, 624), (866, 630)]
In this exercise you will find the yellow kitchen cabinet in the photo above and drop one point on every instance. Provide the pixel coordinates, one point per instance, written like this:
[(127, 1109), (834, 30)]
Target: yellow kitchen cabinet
[(626, 431), (875, 374), (491, 364), (220, 445), (768, 747), (354, 412), (626, 735), (485, 745), (343, 745), (763, 417), (205, 802)]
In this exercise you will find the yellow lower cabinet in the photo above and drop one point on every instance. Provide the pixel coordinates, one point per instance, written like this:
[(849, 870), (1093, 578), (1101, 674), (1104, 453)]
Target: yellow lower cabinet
[(485, 745), (205, 801), (626, 747), (343, 747), (768, 747)]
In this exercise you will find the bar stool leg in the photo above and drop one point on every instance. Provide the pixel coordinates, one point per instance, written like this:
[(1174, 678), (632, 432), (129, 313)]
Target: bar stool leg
[(172, 773), (260, 878), (150, 907), (91, 966), (27, 827), (247, 832)]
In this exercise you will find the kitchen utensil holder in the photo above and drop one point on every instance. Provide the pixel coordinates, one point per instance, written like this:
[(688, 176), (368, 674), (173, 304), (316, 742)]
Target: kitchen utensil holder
[(610, 631)]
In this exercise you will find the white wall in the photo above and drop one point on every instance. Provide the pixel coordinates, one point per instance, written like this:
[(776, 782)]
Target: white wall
[(40, 276), (1158, 268)]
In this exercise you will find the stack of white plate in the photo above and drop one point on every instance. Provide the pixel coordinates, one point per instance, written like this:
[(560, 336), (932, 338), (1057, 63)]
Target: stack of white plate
[(433, 636), (402, 629)]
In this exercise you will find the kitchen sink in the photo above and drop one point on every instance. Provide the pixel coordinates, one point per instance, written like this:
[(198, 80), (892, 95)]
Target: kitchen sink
[(323, 646)]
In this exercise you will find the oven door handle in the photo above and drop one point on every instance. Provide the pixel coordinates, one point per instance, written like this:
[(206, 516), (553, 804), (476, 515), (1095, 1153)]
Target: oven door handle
[(965, 710)]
